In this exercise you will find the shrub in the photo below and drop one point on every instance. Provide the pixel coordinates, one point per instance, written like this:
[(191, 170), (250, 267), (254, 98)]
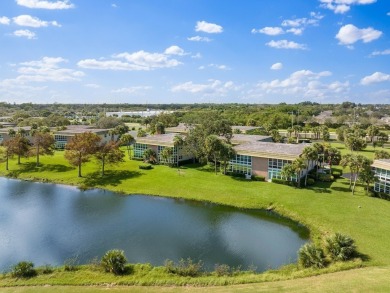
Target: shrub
[(185, 267), (310, 181), (146, 167), (284, 182), (222, 270), (337, 173), (258, 178), (70, 264), (23, 269), (47, 269), (311, 256), (340, 247), (237, 175), (325, 177), (114, 261)]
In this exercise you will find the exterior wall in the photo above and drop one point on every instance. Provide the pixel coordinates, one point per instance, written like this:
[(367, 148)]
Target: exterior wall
[(241, 164), (383, 184), (61, 139), (260, 167)]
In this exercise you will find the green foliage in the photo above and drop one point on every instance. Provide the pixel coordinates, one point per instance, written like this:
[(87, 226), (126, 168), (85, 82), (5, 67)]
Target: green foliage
[(225, 270), (145, 167), (47, 269), (311, 256), (23, 269), (284, 182), (71, 264), (340, 247), (310, 181), (114, 261), (185, 267), (258, 178), (325, 177), (337, 173)]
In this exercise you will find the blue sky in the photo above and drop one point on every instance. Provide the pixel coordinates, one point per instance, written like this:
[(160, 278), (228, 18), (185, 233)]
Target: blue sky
[(194, 51)]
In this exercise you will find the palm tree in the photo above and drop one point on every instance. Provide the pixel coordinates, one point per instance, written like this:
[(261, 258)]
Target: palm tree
[(150, 156), (309, 154), (287, 171), (178, 142), (299, 165)]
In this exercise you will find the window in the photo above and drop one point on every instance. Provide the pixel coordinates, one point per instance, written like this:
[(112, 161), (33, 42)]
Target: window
[(139, 149), (241, 164), (383, 184), (172, 159), (275, 167)]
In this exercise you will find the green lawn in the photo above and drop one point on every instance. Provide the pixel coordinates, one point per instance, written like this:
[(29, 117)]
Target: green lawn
[(325, 208)]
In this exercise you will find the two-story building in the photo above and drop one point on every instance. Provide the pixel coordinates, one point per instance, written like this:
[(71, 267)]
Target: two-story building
[(381, 169)]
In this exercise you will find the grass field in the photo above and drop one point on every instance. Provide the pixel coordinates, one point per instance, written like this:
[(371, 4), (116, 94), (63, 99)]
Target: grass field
[(325, 208)]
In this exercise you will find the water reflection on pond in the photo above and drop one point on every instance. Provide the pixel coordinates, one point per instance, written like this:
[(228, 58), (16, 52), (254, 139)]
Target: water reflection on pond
[(47, 224)]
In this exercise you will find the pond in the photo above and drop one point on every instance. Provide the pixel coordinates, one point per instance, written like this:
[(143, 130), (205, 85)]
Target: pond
[(49, 223)]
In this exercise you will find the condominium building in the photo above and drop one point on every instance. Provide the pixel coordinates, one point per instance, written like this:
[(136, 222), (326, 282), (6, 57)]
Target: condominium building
[(158, 143), (381, 169), (62, 137)]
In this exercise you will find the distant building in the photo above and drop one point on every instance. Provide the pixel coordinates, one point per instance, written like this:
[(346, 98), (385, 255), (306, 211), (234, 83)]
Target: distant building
[(266, 159), (5, 133), (62, 137), (381, 169), (146, 113), (158, 143)]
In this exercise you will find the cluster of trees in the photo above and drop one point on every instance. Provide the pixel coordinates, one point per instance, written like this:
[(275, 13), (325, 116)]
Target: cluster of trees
[(18, 145)]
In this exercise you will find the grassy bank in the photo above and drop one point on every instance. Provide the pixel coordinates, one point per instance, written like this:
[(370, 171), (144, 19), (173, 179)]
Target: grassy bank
[(325, 208)]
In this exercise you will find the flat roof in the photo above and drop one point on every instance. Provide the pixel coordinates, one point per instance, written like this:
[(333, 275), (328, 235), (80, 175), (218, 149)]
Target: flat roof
[(271, 150), (382, 164), (77, 129), (158, 139), (245, 138)]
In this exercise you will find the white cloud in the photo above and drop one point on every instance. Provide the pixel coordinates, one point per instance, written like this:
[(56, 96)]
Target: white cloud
[(277, 66), (207, 27), (5, 20), (131, 90), (28, 20), (295, 31), (199, 39), (174, 50), (25, 33), (284, 44), (343, 6), (197, 56), (43, 4), (92, 85), (113, 5), (375, 78), (213, 87), (388, 14), (384, 52), (271, 31), (140, 60), (216, 66), (45, 70), (350, 34), (304, 84), (295, 26)]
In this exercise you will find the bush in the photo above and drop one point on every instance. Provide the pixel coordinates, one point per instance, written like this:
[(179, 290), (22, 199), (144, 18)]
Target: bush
[(70, 264), (340, 247), (145, 167), (310, 181), (282, 181), (114, 261), (258, 178), (325, 177), (185, 268), (337, 173), (222, 270), (237, 175), (47, 269), (23, 269), (311, 256)]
